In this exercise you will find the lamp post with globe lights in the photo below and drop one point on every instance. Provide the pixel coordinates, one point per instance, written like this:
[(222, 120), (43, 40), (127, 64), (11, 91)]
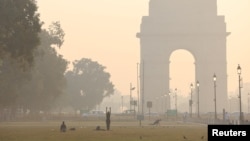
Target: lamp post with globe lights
[(239, 73), (198, 97), (215, 110), (191, 99)]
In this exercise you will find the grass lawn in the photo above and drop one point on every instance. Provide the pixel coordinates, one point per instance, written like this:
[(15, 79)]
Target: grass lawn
[(85, 131)]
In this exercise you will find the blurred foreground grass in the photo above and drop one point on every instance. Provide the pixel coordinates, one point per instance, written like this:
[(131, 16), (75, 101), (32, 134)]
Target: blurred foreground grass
[(85, 131)]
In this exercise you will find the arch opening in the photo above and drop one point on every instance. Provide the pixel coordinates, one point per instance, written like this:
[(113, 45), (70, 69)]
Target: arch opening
[(181, 74)]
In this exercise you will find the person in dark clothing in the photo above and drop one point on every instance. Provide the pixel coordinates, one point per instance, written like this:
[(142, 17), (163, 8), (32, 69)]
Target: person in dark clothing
[(108, 113), (63, 127)]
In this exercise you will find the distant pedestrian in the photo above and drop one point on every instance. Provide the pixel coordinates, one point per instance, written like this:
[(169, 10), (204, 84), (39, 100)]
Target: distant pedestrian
[(227, 118), (63, 127), (185, 117), (108, 113)]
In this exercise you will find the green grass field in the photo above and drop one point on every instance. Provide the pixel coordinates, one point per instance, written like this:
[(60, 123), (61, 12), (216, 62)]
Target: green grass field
[(85, 131)]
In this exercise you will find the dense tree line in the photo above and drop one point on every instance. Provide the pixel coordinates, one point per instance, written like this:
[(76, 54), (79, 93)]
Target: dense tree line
[(37, 88), (47, 74), (33, 76)]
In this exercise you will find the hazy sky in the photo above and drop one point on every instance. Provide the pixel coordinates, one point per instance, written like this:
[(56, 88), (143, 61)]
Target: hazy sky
[(104, 30)]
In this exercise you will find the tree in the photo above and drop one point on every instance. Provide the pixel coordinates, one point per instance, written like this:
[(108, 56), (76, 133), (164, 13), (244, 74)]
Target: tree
[(19, 29), (11, 82), (88, 83), (48, 81), (37, 88)]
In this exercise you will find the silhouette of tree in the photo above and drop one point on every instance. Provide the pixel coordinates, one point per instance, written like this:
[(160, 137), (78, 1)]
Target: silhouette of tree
[(48, 77), (88, 84), (37, 88), (19, 29)]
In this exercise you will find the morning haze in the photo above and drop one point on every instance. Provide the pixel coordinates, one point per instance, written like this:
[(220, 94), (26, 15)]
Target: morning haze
[(120, 21), (70, 69)]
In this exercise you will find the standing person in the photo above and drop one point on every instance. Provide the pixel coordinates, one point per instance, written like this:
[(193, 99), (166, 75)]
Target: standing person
[(108, 113), (63, 127), (185, 117), (227, 118)]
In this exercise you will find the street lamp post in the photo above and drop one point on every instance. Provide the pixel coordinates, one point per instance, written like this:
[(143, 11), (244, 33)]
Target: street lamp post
[(138, 93), (157, 104), (248, 102), (198, 97), (165, 110), (191, 100), (230, 107), (215, 112), (163, 104), (239, 73), (176, 102), (169, 94), (130, 99), (122, 103)]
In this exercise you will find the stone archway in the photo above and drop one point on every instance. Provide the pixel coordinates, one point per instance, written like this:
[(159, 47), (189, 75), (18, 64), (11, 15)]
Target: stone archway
[(192, 25)]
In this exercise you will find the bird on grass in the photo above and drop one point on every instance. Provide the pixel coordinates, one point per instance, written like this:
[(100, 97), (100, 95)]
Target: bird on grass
[(202, 137), (184, 137), (140, 137)]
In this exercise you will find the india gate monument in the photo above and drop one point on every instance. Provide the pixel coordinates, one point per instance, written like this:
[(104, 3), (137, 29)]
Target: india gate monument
[(191, 25)]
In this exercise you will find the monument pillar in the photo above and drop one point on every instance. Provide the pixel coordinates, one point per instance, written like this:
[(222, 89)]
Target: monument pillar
[(192, 25)]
